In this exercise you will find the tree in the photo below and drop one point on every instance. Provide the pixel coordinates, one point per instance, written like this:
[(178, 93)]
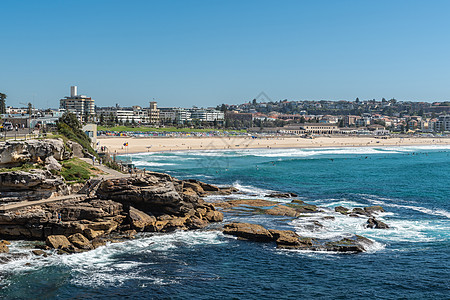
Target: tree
[(69, 126), (2, 103), (357, 100), (102, 119), (223, 108), (30, 108)]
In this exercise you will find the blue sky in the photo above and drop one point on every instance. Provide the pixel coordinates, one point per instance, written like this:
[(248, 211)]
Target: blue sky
[(204, 53)]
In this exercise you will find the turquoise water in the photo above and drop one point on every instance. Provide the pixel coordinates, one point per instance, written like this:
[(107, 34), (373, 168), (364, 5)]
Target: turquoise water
[(408, 261)]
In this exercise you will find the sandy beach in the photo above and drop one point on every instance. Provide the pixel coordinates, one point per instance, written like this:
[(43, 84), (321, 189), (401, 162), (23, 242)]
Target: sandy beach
[(139, 145)]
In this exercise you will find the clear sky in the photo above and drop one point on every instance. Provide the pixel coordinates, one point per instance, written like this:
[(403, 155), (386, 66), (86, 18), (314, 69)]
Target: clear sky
[(204, 53)]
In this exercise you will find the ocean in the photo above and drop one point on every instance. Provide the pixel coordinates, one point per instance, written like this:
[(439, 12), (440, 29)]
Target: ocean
[(408, 261)]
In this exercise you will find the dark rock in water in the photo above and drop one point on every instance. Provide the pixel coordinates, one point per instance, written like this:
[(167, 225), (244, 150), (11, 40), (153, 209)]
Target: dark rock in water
[(281, 195), (360, 211), (4, 246), (287, 239), (374, 223), (328, 218), (296, 201), (39, 252), (373, 209), (354, 244), (252, 232), (341, 209), (246, 202), (354, 215)]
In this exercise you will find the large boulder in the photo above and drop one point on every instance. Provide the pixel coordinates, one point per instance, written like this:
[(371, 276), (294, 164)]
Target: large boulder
[(286, 239), (18, 152), (52, 164), (282, 210), (140, 220), (377, 224), (58, 242), (4, 246), (281, 195), (80, 241), (373, 209), (341, 210), (252, 232)]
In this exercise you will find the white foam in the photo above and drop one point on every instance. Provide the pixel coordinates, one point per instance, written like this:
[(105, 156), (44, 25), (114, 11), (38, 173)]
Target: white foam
[(400, 230), (151, 164), (103, 266), (384, 202)]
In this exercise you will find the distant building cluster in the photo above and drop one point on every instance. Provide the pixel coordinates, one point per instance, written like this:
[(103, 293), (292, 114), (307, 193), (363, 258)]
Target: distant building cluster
[(284, 117)]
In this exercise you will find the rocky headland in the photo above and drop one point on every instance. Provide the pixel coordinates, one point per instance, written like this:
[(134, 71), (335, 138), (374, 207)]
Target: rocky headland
[(116, 208)]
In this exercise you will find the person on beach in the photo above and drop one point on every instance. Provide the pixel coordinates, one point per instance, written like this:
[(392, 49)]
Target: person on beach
[(93, 160)]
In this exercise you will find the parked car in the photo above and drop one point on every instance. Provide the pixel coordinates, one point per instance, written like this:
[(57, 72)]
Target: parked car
[(7, 126)]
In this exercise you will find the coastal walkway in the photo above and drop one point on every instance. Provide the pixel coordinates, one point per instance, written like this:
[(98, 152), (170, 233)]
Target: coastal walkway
[(23, 204), (91, 185)]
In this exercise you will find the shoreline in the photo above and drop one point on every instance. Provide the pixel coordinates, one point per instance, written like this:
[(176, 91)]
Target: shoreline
[(154, 145)]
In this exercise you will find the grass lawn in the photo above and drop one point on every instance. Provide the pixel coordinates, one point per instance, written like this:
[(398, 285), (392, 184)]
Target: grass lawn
[(154, 129), (76, 170)]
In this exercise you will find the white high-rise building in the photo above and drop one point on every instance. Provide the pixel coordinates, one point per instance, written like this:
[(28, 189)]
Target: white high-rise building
[(82, 106)]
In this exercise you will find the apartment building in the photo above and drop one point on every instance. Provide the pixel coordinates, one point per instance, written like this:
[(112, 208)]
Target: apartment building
[(82, 106)]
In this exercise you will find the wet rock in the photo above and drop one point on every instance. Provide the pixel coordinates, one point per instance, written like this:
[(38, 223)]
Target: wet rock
[(296, 201), (196, 223), (373, 209), (356, 243), (377, 224), (214, 216), (252, 232), (39, 252), (281, 210), (281, 195), (341, 209), (248, 202), (360, 211), (4, 246), (286, 239), (98, 242)]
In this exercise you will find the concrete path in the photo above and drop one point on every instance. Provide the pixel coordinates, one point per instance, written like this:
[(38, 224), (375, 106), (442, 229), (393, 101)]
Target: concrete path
[(111, 173), (19, 205)]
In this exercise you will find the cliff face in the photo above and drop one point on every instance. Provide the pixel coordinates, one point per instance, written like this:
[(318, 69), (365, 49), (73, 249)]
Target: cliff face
[(155, 203), (14, 153), (30, 185)]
